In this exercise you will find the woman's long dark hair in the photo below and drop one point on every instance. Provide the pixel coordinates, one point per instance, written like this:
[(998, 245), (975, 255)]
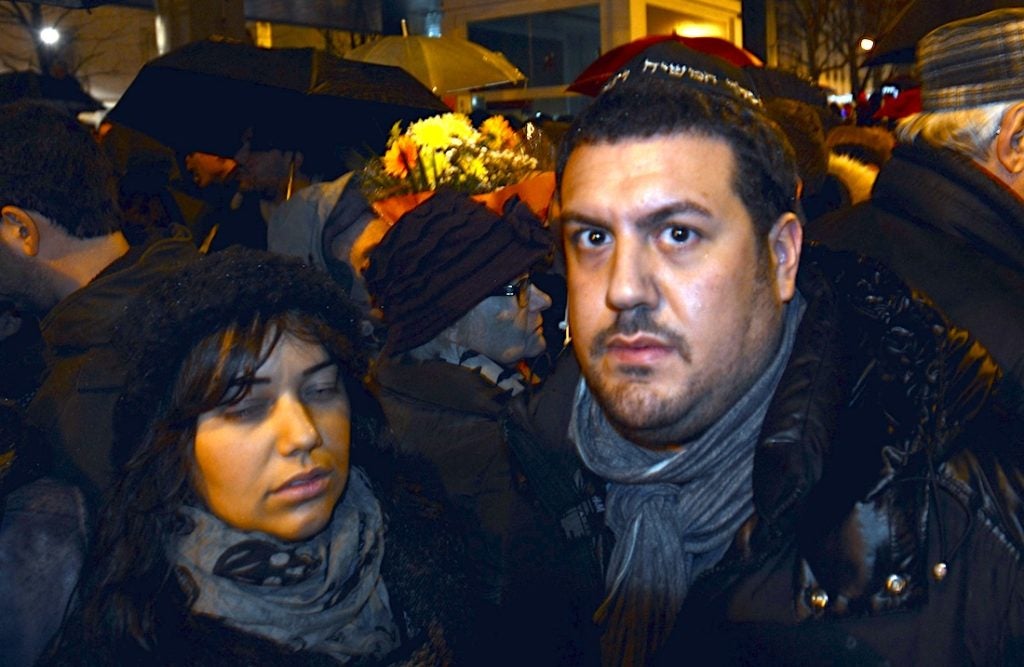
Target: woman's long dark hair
[(128, 588)]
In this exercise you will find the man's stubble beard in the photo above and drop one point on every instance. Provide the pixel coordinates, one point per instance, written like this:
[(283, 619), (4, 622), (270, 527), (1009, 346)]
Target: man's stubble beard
[(26, 284), (653, 421)]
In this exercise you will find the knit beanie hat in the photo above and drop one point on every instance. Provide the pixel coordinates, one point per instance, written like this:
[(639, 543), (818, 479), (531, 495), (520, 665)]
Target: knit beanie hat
[(208, 295), (974, 61), (444, 257)]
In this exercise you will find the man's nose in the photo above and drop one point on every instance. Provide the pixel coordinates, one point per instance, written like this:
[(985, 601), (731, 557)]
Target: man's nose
[(630, 279)]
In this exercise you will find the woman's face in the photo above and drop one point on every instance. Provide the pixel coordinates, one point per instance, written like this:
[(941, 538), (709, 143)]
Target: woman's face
[(277, 461)]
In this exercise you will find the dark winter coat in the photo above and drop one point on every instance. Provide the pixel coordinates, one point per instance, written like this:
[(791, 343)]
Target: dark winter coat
[(952, 231), (74, 407), (449, 415), (423, 569), (887, 522), (43, 540)]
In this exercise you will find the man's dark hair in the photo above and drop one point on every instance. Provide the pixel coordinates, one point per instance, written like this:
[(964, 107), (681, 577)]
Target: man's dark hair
[(50, 163), (766, 176)]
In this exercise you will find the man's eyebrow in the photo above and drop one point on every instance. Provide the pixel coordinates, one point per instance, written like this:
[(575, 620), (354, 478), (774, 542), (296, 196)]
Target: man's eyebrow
[(648, 221), (658, 217), (567, 217)]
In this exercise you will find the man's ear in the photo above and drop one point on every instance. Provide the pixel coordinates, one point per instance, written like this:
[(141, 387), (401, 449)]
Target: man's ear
[(19, 231), (785, 241), (1009, 148)]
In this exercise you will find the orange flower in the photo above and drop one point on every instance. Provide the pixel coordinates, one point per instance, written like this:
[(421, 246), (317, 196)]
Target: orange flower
[(400, 157), (498, 133)]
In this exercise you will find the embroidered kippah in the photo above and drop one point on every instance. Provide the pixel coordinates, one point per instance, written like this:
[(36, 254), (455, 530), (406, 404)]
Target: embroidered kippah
[(673, 61)]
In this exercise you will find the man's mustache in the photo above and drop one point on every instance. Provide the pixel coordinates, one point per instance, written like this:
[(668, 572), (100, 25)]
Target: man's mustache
[(635, 321)]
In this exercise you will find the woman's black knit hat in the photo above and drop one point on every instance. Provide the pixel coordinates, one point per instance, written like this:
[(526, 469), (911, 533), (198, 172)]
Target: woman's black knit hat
[(444, 257), (208, 295)]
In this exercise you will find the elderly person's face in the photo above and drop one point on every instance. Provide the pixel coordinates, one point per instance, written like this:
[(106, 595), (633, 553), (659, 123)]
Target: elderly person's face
[(506, 328), (675, 302), (277, 461)]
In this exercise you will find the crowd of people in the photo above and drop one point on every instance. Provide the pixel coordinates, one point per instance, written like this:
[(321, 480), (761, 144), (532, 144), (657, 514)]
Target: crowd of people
[(698, 385)]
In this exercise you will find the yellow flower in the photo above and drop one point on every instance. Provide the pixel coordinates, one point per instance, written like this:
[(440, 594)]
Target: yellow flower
[(476, 169), (401, 156), (437, 132), (437, 168), (446, 150), (498, 134)]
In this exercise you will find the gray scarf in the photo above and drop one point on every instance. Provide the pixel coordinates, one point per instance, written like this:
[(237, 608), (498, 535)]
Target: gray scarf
[(324, 594), (673, 513)]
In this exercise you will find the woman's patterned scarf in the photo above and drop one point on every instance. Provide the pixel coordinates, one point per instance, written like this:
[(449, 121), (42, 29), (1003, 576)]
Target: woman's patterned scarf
[(324, 594)]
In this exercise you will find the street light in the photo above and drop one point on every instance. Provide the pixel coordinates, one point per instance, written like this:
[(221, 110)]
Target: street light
[(866, 44), (49, 35)]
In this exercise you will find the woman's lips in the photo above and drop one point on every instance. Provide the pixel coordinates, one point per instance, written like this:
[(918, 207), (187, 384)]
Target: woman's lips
[(304, 486)]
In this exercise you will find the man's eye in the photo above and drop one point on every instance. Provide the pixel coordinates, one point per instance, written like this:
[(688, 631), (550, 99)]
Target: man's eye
[(677, 235), (590, 238)]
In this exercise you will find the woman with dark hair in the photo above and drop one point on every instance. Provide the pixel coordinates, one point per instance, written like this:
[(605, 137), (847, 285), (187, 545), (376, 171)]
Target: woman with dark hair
[(259, 518)]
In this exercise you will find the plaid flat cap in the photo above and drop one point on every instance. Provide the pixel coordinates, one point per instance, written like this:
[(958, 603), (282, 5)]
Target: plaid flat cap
[(973, 61)]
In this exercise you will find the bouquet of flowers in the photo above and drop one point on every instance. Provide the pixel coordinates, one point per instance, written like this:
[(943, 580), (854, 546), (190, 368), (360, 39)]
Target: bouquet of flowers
[(447, 151)]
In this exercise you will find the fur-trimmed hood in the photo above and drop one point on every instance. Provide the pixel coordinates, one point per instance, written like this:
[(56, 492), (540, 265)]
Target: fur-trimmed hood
[(857, 176)]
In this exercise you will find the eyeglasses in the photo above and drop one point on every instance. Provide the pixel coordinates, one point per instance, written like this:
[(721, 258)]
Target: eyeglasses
[(520, 289)]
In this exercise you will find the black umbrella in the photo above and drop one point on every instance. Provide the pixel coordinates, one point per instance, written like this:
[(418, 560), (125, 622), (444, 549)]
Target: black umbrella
[(205, 95), (65, 92), (71, 4), (898, 42)]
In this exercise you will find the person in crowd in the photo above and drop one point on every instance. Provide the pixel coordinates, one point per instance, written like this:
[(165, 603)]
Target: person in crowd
[(260, 516), (261, 179), (828, 181), (452, 279), (63, 256), (800, 460), (43, 538), (332, 226), (242, 180), (947, 211), (869, 145)]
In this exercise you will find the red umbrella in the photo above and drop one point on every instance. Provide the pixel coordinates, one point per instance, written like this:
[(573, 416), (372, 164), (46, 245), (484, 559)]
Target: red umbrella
[(590, 81)]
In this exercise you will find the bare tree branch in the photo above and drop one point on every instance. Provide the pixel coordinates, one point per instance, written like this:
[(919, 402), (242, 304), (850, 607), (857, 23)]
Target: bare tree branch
[(824, 36)]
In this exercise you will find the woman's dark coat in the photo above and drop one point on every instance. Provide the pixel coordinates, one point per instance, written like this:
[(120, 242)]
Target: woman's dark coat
[(423, 570)]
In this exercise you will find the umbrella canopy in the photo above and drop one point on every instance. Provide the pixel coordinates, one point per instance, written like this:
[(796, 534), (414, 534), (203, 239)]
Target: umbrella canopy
[(443, 64), (70, 4), (205, 95), (898, 41), (64, 92), (592, 79)]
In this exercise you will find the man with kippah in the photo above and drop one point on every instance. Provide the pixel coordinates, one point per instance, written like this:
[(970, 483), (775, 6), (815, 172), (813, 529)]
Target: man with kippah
[(947, 211), (800, 460)]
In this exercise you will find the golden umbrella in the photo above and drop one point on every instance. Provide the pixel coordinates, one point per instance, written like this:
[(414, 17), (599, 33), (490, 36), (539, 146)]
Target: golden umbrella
[(443, 64)]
